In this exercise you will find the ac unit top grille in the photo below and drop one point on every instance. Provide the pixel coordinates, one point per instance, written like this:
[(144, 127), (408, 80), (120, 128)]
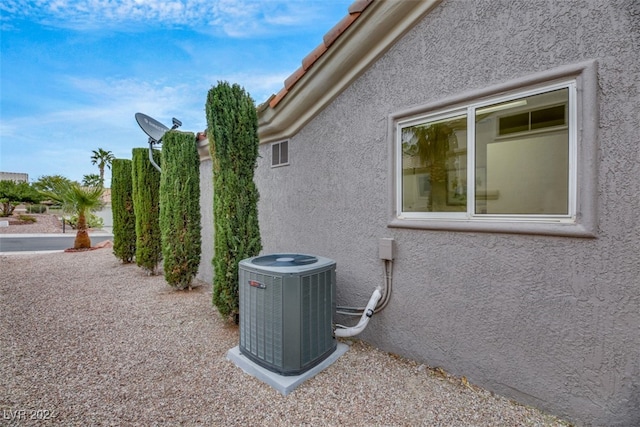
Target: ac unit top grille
[(286, 263), (284, 260)]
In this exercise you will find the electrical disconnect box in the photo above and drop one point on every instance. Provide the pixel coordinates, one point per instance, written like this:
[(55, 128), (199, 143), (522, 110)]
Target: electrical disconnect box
[(385, 248)]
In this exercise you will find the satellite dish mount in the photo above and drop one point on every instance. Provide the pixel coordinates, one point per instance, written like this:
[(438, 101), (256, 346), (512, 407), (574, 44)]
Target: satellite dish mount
[(155, 131)]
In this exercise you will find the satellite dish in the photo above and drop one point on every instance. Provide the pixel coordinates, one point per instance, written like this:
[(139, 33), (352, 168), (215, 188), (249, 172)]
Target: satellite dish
[(155, 130), (151, 127)]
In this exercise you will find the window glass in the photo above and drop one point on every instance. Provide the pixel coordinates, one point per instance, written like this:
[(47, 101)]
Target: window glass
[(548, 117), (434, 164), (509, 158), (284, 152), (275, 154), (523, 169), (514, 124)]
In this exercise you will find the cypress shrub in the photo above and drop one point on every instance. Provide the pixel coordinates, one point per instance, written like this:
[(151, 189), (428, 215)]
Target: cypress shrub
[(232, 127), (124, 220), (180, 208), (146, 207)]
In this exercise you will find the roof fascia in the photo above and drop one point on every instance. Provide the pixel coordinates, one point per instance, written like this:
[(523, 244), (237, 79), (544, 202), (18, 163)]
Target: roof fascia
[(368, 37)]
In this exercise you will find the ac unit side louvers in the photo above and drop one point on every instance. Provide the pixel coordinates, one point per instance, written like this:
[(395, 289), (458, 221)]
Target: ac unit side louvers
[(287, 305)]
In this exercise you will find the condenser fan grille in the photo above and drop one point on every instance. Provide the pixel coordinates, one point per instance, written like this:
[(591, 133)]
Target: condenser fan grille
[(284, 260)]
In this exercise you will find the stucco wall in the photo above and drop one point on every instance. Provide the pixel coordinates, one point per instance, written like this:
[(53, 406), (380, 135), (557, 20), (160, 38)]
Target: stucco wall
[(550, 321), (205, 271)]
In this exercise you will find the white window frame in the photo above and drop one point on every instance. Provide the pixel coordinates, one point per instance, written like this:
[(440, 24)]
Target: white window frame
[(279, 144), (580, 79)]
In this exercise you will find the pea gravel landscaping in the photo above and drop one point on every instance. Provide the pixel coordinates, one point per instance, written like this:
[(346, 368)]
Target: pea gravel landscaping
[(88, 341)]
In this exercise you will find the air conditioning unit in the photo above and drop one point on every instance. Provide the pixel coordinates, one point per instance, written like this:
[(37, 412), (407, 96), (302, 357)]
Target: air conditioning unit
[(287, 305)]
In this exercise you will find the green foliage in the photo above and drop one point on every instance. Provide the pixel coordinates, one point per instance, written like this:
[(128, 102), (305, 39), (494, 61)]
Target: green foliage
[(91, 180), (13, 193), (146, 207), (103, 159), (37, 209), (27, 218), (91, 220), (232, 127), (124, 220), (180, 208), (51, 184), (78, 201)]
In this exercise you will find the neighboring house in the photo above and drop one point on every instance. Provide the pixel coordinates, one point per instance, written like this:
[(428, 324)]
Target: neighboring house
[(14, 176), (106, 196), (497, 143)]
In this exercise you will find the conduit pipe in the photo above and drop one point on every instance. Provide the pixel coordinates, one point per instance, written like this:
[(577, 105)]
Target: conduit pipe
[(343, 331), (386, 296)]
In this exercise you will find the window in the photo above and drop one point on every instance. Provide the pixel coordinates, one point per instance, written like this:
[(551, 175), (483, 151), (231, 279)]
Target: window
[(519, 158), (538, 119), (528, 172), (280, 153), (500, 157), (434, 161)]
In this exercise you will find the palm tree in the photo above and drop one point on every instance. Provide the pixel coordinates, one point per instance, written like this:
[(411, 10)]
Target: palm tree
[(51, 183), (91, 180), (79, 200), (102, 158)]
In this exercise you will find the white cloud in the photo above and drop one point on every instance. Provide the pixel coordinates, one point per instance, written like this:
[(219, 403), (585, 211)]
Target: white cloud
[(111, 14), (234, 18), (60, 141), (259, 85), (55, 131)]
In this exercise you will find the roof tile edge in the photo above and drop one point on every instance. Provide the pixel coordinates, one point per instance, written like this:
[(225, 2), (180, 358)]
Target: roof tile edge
[(355, 10), (359, 5)]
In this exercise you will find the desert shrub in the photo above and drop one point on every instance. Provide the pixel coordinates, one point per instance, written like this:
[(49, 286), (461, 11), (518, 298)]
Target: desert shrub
[(232, 128), (180, 208), (37, 209), (93, 221), (124, 220), (27, 218)]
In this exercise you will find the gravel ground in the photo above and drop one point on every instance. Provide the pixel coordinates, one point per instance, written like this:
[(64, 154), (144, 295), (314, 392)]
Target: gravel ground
[(86, 340), (45, 223)]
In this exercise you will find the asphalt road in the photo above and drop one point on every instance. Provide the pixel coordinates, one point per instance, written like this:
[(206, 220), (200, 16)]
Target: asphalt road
[(44, 242)]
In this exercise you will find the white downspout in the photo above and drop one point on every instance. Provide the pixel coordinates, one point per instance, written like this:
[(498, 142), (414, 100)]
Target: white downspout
[(342, 331)]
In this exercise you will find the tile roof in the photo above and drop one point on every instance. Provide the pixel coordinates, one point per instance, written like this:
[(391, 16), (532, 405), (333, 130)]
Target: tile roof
[(334, 64), (355, 10)]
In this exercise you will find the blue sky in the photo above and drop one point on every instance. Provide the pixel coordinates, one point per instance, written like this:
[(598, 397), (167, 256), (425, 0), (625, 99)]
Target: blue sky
[(73, 73)]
